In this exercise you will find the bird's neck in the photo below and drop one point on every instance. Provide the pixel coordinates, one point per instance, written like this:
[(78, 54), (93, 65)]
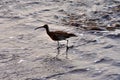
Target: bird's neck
[(47, 30)]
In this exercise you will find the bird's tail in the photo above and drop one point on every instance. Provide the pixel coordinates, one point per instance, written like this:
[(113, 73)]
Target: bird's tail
[(72, 35)]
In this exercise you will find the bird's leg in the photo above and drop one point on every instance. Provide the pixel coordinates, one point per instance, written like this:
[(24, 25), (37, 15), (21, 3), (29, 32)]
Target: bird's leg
[(67, 49), (58, 45), (58, 48)]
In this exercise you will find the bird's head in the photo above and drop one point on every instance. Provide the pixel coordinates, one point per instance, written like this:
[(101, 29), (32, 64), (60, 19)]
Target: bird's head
[(44, 26)]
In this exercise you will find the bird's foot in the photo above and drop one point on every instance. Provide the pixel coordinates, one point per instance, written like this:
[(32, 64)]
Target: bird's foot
[(58, 47)]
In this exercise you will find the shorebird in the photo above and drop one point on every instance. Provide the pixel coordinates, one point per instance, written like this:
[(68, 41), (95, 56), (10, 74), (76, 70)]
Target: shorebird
[(58, 36)]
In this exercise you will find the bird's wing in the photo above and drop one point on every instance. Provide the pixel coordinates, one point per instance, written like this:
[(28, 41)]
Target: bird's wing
[(60, 35)]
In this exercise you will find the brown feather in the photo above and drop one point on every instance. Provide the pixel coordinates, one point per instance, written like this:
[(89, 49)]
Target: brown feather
[(57, 35)]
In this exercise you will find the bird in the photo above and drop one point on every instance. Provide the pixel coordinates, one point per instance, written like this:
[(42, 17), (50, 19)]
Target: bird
[(58, 36)]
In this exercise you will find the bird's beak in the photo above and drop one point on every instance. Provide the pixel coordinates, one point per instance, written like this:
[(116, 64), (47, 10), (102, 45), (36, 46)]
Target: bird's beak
[(38, 28)]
